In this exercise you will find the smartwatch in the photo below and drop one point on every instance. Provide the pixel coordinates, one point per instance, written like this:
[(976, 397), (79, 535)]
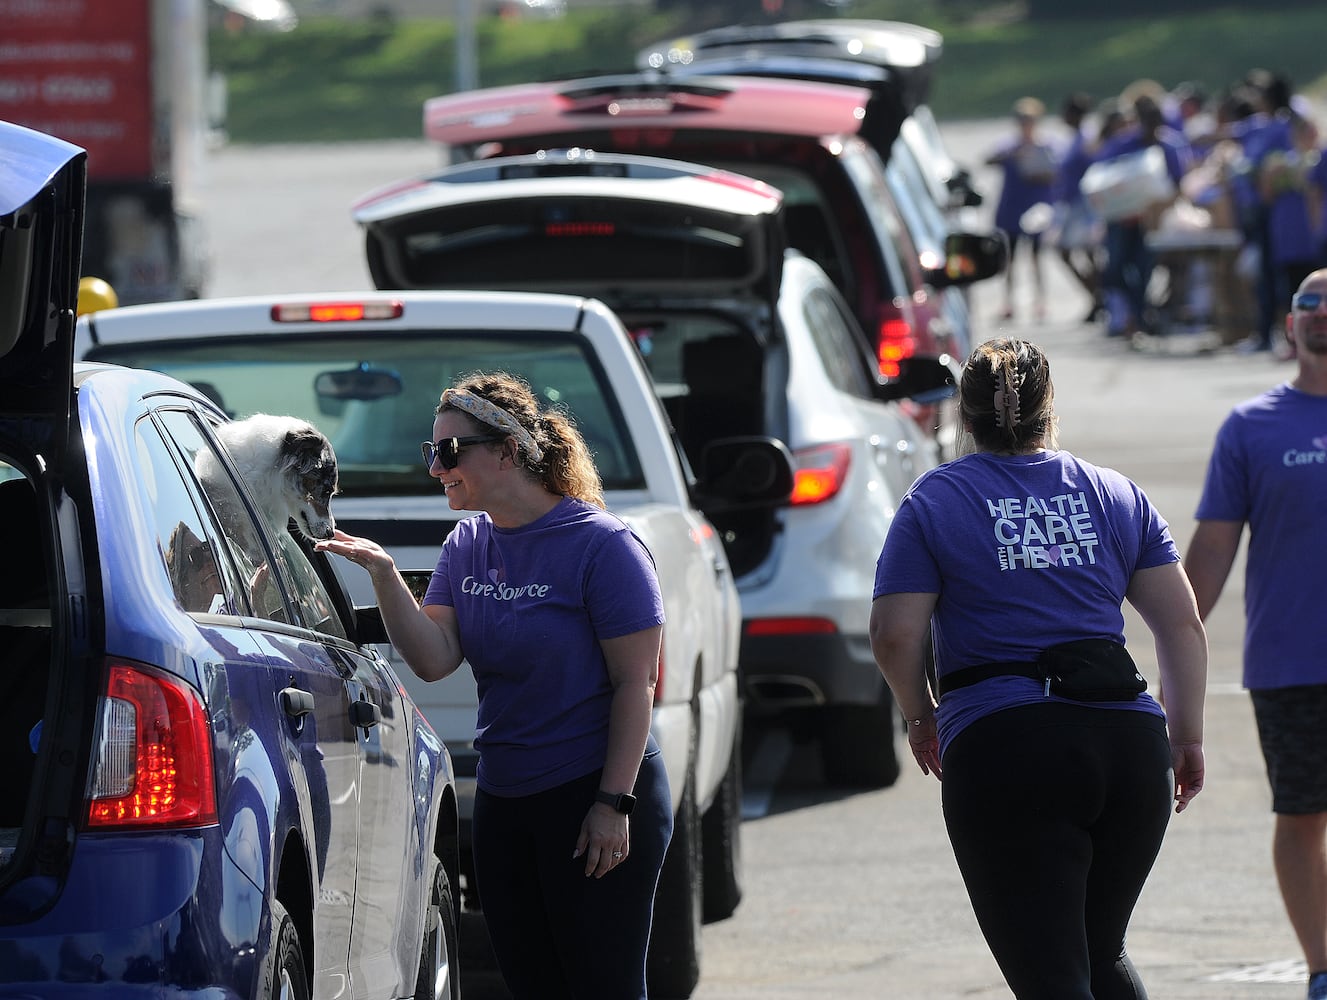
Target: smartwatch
[(623, 802)]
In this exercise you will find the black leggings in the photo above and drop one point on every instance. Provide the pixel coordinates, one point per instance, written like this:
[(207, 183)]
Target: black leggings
[(556, 934), (1056, 813)]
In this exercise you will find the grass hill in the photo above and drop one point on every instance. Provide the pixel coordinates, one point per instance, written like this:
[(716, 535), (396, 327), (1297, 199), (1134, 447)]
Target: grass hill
[(335, 80)]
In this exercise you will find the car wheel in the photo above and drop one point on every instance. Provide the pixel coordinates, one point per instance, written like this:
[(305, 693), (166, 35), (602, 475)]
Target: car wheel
[(721, 839), (672, 967), (439, 976), (857, 744), (284, 976)]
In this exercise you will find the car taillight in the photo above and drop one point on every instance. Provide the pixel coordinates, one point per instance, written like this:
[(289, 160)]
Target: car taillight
[(336, 312), (894, 342), (789, 626), (152, 760), (819, 472)]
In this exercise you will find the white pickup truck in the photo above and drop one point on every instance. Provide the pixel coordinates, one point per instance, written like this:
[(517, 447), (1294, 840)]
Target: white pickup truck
[(367, 369)]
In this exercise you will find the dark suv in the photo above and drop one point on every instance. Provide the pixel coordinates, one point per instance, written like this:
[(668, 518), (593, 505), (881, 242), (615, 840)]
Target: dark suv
[(817, 142)]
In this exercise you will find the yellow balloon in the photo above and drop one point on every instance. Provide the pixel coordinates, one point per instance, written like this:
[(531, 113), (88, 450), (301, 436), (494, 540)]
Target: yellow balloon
[(94, 294)]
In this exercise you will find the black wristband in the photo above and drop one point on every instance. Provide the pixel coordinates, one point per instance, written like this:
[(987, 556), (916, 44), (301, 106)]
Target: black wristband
[(623, 802)]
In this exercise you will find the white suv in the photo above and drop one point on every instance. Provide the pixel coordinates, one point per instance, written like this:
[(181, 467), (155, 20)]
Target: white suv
[(740, 337)]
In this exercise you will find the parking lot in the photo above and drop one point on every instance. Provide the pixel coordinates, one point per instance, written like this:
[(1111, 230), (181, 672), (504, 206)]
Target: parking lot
[(855, 895)]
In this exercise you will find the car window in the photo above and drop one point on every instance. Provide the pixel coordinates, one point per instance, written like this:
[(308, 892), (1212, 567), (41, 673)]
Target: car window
[(238, 539), (810, 225), (837, 343), (203, 582), (925, 218), (895, 245), (708, 371), (374, 395), (295, 579), (556, 240)]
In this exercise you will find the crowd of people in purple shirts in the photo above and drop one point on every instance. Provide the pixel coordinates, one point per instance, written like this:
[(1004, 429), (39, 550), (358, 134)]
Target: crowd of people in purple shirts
[(1247, 177)]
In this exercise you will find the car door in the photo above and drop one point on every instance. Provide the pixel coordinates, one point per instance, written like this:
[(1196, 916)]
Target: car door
[(312, 695), (383, 940)]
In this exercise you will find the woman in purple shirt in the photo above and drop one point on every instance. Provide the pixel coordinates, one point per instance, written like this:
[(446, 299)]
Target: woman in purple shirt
[(1056, 796), (556, 606)]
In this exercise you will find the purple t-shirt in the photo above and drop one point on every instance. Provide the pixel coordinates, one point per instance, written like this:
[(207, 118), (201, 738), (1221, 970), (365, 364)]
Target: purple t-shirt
[(1024, 551), (1269, 468), (532, 604), (1318, 178), (1029, 169)]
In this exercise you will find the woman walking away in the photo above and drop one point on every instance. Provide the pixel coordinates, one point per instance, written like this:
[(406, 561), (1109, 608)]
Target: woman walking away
[(1058, 769)]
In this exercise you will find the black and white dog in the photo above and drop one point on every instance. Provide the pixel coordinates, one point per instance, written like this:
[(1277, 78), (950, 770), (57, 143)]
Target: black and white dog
[(290, 469)]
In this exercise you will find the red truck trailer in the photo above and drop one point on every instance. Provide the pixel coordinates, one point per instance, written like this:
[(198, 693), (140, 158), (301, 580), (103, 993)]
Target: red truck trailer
[(126, 80)]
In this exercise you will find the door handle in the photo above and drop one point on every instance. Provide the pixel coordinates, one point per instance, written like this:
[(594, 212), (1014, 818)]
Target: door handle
[(364, 714), (296, 702)]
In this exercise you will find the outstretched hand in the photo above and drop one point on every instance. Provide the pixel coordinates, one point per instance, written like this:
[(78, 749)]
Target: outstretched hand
[(360, 551)]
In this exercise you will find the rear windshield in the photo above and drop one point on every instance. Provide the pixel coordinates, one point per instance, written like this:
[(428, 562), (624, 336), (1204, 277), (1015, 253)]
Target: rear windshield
[(552, 241), (374, 397)]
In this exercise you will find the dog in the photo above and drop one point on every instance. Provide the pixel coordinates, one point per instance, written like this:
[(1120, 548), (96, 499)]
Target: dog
[(290, 469)]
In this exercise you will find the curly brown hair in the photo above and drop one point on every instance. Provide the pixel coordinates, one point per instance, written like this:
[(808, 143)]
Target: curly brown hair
[(566, 467), (1006, 397)]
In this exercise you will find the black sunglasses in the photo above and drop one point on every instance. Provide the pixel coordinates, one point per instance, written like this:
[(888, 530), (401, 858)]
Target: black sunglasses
[(1306, 301), (447, 452)]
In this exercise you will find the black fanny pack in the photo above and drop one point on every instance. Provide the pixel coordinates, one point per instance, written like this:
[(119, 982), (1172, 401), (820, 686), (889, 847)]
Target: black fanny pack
[(1084, 670)]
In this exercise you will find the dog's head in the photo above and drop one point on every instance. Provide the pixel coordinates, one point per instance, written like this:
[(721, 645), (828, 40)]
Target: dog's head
[(308, 467)]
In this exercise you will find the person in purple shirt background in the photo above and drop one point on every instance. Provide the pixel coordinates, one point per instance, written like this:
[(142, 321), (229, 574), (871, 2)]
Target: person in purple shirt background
[(1284, 182), (556, 606), (1269, 470), (1129, 260), (1076, 231), (1055, 805), (1028, 167), (1266, 130)]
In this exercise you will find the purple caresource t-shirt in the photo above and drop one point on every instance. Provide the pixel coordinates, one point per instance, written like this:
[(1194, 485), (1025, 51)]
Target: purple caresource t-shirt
[(532, 605), (1269, 468), (1024, 551)]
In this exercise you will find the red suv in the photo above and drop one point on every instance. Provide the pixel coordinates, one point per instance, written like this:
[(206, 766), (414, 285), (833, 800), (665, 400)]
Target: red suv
[(815, 141)]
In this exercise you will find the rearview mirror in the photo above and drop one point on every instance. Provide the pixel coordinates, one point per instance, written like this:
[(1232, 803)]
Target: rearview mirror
[(362, 383), (969, 257)]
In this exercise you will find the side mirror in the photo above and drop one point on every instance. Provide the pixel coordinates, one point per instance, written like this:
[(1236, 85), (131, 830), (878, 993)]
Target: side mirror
[(970, 257), (923, 379), (369, 627), (962, 193), (743, 472)]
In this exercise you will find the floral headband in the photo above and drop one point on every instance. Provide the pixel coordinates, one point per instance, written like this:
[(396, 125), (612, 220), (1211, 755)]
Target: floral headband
[(495, 416)]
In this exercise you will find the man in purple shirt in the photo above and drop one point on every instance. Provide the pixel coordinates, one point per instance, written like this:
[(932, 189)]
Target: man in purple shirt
[(1269, 470)]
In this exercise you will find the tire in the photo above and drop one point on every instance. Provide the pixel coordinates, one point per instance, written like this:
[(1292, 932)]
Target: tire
[(721, 843), (284, 976), (439, 971), (857, 744), (672, 966)]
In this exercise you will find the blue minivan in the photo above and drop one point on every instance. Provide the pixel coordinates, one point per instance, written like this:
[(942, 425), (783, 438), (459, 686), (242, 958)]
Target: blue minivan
[(211, 783)]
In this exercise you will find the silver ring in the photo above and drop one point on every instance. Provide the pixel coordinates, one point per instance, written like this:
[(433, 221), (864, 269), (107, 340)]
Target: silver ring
[(617, 854)]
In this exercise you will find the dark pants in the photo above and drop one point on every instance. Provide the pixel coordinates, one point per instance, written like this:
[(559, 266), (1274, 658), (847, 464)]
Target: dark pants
[(558, 935), (1056, 813), (1129, 266)]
